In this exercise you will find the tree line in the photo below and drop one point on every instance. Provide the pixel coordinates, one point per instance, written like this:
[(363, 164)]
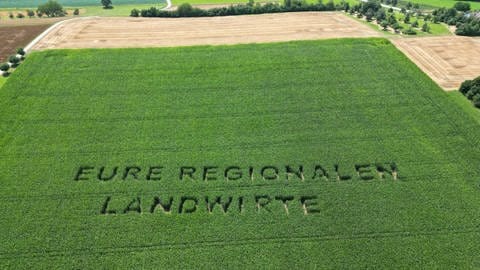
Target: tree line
[(186, 10)]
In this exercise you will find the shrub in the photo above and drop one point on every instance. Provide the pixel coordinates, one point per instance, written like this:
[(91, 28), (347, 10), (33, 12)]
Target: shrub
[(30, 13), (425, 28), (39, 14), (76, 12), (10, 15), (471, 90), (462, 6), (20, 15), (51, 9), (396, 27), (184, 10), (415, 23), (384, 25), (380, 15), (135, 13), (465, 87), (107, 4), (21, 51), (14, 60), (409, 31), (4, 67), (392, 19)]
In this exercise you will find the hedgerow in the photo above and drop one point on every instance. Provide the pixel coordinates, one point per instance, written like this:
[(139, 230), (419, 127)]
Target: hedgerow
[(186, 10)]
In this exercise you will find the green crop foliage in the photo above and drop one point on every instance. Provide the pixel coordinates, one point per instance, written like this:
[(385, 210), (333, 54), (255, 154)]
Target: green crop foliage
[(339, 102)]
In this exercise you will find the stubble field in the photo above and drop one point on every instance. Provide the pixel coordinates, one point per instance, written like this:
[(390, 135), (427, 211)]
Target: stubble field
[(448, 60), (156, 32), (286, 155)]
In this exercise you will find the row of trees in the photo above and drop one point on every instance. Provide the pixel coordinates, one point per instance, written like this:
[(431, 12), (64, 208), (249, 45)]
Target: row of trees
[(467, 23), (186, 10), (471, 89), (13, 62), (39, 14), (54, 9)]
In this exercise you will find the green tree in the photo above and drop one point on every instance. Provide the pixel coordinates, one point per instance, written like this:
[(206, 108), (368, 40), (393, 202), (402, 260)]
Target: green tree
[(30, 13), (134, 13), (107, 4), (396, 27), (415, 23), (425, 28), (384, 25), (76, 11), (392, 19), (4, 67), (14, 60), (51, 9), (369, 15), (462, 6), (21, 51), (184, 9), (407, 18)]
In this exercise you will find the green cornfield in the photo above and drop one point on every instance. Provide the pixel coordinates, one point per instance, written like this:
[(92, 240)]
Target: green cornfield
[(312, 154)]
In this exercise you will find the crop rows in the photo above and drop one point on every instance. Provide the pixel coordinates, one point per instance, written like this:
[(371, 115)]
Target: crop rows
[(346, 106)]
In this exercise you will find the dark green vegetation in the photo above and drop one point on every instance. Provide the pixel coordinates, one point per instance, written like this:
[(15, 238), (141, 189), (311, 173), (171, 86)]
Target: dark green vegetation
[(467, 24), (186, 10), (407, 23), (471, 90), (51, 9), (299, 103)]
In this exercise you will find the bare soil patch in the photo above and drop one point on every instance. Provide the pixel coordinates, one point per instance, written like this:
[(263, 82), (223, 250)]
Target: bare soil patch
[(448, 60), (166, 32), (17, 36)]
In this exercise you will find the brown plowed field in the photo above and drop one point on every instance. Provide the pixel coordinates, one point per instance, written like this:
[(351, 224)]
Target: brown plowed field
[(17, 36), (166, 32), (448, 60)]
